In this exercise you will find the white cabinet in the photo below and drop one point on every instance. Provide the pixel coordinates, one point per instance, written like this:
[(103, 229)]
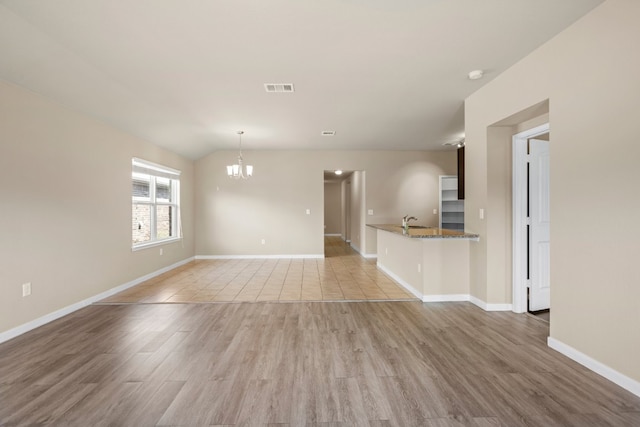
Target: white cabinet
[(451, 209)]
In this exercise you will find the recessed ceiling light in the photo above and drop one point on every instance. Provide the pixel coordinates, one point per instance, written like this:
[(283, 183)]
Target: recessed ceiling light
[(476, 74), (338, 172), (279, 87), (328, 132)]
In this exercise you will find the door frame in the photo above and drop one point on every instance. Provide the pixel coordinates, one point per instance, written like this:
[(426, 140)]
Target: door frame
[(519, 215)]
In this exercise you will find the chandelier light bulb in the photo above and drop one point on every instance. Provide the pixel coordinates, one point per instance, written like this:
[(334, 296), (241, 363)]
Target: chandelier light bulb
[(239, 170)]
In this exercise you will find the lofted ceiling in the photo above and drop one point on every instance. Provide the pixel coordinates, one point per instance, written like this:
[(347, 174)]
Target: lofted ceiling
[(187, 74)]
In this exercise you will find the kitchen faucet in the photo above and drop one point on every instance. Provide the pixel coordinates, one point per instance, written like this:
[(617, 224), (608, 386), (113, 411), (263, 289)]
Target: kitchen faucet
[(405, 221)]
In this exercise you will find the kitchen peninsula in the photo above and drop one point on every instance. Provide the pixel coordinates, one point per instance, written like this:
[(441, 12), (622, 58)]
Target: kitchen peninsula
[(432, 263)]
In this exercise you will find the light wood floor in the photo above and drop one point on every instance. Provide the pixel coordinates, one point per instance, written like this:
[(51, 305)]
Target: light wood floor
[(302, 363), (130, 362), (342, 275)]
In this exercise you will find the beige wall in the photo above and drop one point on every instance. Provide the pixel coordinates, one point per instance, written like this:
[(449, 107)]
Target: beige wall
[(232, 217), (332, 207), (498, 204), (344, 213), (589, 74), (356, 210), (445, 267), (400, 256), (433, 269), (65, 191)]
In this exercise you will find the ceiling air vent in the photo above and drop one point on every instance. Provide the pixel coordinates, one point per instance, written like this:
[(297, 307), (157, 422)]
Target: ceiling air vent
[(328, 132), (279, 87)]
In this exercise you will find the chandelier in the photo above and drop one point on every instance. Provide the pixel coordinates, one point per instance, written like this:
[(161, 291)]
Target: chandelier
[(240, 170)]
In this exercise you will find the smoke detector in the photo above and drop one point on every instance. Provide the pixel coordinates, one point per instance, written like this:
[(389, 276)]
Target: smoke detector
[(475, 74), (279, 87)]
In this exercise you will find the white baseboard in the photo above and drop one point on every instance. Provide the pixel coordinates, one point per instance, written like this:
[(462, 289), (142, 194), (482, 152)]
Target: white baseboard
[(315, 256), (490, 307), (333, 234), (404, 284), (445, 298), (26, 327), (600, 368), (363, 254)]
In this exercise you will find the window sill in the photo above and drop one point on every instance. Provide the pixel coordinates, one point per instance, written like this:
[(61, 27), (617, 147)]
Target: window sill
[(155, 243)]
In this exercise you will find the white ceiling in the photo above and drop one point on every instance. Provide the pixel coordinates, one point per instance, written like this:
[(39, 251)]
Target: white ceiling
[(187, 74)]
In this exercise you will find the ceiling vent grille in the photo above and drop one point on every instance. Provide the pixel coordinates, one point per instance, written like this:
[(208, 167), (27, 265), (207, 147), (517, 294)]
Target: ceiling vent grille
[(328, 132), (279, 87)]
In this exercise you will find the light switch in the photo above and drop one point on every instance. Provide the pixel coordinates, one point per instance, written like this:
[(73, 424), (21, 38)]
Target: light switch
[(435, 211), (308, 211), (481, 213)]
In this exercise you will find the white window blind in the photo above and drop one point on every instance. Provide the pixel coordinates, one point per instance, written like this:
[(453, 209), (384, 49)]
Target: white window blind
[(149, 168)]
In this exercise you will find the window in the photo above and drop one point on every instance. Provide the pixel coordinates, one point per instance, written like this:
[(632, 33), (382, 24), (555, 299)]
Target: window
[(155, 204)]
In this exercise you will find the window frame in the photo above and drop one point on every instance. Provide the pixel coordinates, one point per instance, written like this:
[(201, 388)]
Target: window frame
[(141, 170)]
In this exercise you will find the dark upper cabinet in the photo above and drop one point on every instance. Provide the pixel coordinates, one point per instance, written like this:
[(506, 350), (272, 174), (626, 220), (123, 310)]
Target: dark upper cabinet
[(461, 173)]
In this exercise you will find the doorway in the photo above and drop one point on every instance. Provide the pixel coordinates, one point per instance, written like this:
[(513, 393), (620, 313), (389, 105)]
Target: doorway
[(531, 260), (337, 205)]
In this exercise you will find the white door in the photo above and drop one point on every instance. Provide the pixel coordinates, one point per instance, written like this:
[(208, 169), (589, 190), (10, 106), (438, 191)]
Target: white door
[(539, 259)]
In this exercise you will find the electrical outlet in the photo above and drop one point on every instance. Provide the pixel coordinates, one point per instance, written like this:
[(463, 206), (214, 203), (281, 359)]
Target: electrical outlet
[(419, 268), (161, 251), (308, 211), (263, 241), (435, 211), (370, 212), (26, 289)]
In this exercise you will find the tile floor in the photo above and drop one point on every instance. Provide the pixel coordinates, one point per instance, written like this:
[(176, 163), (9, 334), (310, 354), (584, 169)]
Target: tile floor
[(342, 275)]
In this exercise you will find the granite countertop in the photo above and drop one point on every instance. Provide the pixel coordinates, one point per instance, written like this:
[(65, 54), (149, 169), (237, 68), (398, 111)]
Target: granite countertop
[(421, 232)]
